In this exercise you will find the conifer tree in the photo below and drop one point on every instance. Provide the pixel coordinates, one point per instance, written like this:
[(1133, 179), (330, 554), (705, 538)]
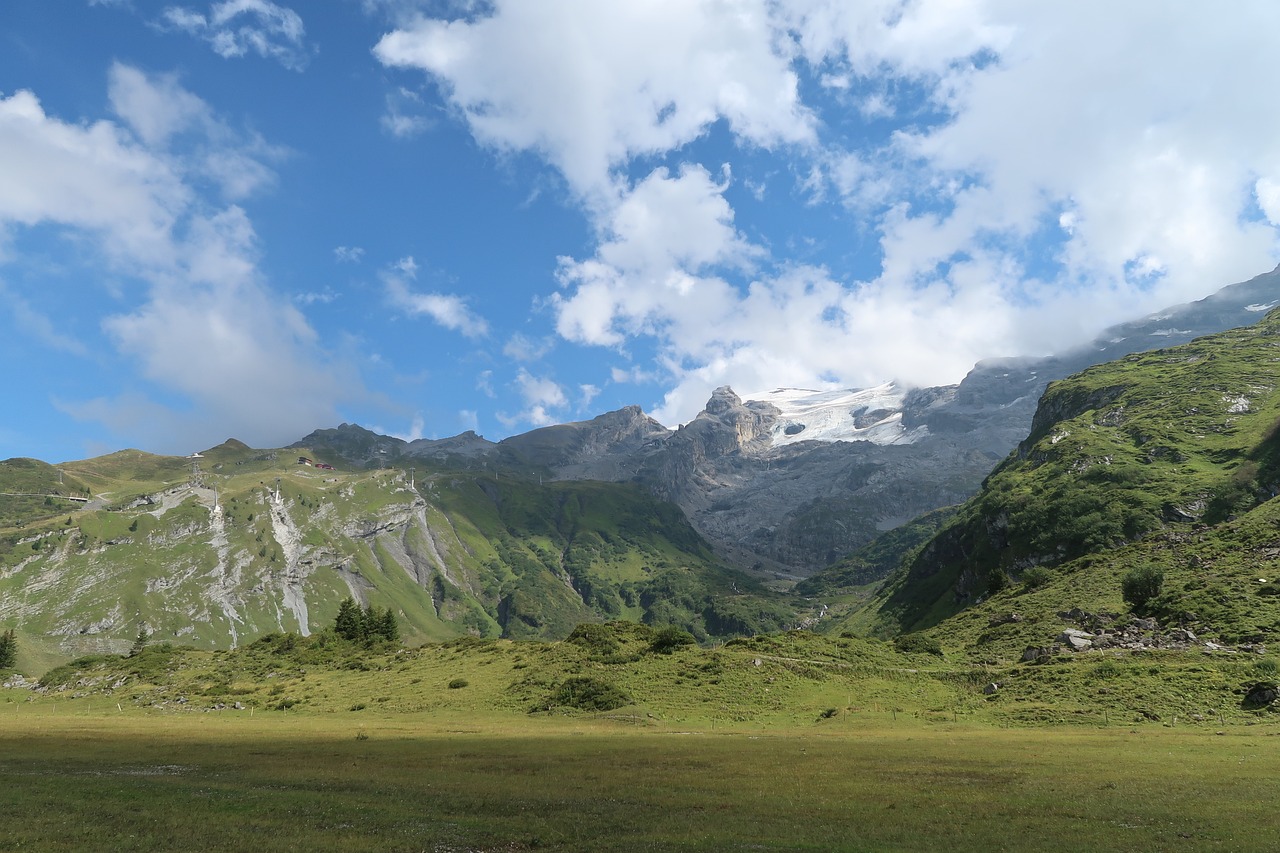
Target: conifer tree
[(388, 628), (350, 621), (8, 650)]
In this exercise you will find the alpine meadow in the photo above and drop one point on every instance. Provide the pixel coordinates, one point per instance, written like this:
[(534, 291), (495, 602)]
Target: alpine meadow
[(715, 425)]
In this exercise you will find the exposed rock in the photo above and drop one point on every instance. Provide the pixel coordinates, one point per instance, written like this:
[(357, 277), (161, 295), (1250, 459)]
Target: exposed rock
[(990, 689), (1076, 641), (1261, 695), (1032, 654)]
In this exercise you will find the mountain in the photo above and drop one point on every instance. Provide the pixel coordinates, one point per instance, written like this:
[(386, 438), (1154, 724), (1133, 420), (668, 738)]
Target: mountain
[(790, 481), (1166, 462), (233, 543)]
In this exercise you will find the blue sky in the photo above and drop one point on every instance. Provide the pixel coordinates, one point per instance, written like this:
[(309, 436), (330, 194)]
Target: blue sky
[(252, 218)]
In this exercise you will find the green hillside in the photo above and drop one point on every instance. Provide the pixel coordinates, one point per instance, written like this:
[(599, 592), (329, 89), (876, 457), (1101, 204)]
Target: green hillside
[(1166, 461), (218, 550)]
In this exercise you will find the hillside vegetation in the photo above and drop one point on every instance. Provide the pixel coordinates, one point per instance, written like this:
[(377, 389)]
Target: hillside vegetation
[(217, 551), (1165, 461)]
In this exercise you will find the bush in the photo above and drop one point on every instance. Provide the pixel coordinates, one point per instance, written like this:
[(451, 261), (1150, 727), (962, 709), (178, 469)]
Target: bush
[(1140, 586), (667, 640), (918, 644), (458, 683), (1035, 577), (585, 694)]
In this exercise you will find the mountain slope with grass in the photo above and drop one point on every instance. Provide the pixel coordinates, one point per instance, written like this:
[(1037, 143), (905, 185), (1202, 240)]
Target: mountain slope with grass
[(222, 548), (1165, 462)]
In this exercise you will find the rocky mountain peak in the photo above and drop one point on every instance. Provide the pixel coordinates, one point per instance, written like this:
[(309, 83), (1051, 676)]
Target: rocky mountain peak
[(722, 400)]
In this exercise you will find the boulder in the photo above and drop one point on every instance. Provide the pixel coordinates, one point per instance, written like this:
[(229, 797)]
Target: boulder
[(1261, 695), (1031, 654), (1076, 641)]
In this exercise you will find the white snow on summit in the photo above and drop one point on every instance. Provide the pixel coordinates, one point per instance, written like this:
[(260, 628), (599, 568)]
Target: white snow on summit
[(870, 414)]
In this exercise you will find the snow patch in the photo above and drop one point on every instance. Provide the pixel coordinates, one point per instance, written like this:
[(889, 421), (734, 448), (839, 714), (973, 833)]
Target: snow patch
[(1258, 306), (867, 414)]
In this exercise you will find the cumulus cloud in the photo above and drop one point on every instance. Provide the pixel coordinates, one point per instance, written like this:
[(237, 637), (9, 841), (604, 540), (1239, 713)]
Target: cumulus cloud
[(543, 398), (645, 275), (591, 85), (235, 28), (1055, 169), (223, 354)]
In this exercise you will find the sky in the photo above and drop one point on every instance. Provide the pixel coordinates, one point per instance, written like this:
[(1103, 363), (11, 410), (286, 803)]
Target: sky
[(252, 219)]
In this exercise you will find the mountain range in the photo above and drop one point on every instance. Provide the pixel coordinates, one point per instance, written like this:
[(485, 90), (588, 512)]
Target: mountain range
[(787, 482), (704, 526)]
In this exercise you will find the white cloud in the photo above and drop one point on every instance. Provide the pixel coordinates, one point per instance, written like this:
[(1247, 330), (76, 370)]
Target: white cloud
[(199, 322), (403, 116), (348, 254), (523, 348), (543, 397), (159, 110), (322, 297), (591, 85), (645, 274), (234, 28), (1056, 168), (447, 309), (32, 322)]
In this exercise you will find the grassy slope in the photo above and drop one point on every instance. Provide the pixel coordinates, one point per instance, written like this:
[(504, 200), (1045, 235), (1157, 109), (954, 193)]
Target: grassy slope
[(1166, 459), (466, 552), (778, 680)]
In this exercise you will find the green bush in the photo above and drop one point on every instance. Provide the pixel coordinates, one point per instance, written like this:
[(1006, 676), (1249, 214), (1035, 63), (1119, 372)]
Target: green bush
[(667, 640), (458, 683), (1035, 577), (918, 644), (585, 694), (1140, 586)]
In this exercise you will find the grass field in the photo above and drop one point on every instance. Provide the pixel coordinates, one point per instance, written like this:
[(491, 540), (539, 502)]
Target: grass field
[(85, 775)]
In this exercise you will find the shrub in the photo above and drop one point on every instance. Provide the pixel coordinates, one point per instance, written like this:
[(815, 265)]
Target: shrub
[(458, 683), (918, 644), (1035, 577), (1140, 586), (586, 694), (594, 637), (667, 640)]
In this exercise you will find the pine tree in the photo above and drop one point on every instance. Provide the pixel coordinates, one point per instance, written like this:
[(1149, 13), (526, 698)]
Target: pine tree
[(140, 642), (8, 650), (350, 621), (388, 628)]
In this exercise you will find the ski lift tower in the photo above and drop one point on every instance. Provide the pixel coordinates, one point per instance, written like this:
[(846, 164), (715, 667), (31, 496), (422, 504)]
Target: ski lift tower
[(197, 477)]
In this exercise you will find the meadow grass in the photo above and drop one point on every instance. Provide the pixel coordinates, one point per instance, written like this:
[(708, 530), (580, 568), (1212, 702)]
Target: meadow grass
[(82, 775)]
